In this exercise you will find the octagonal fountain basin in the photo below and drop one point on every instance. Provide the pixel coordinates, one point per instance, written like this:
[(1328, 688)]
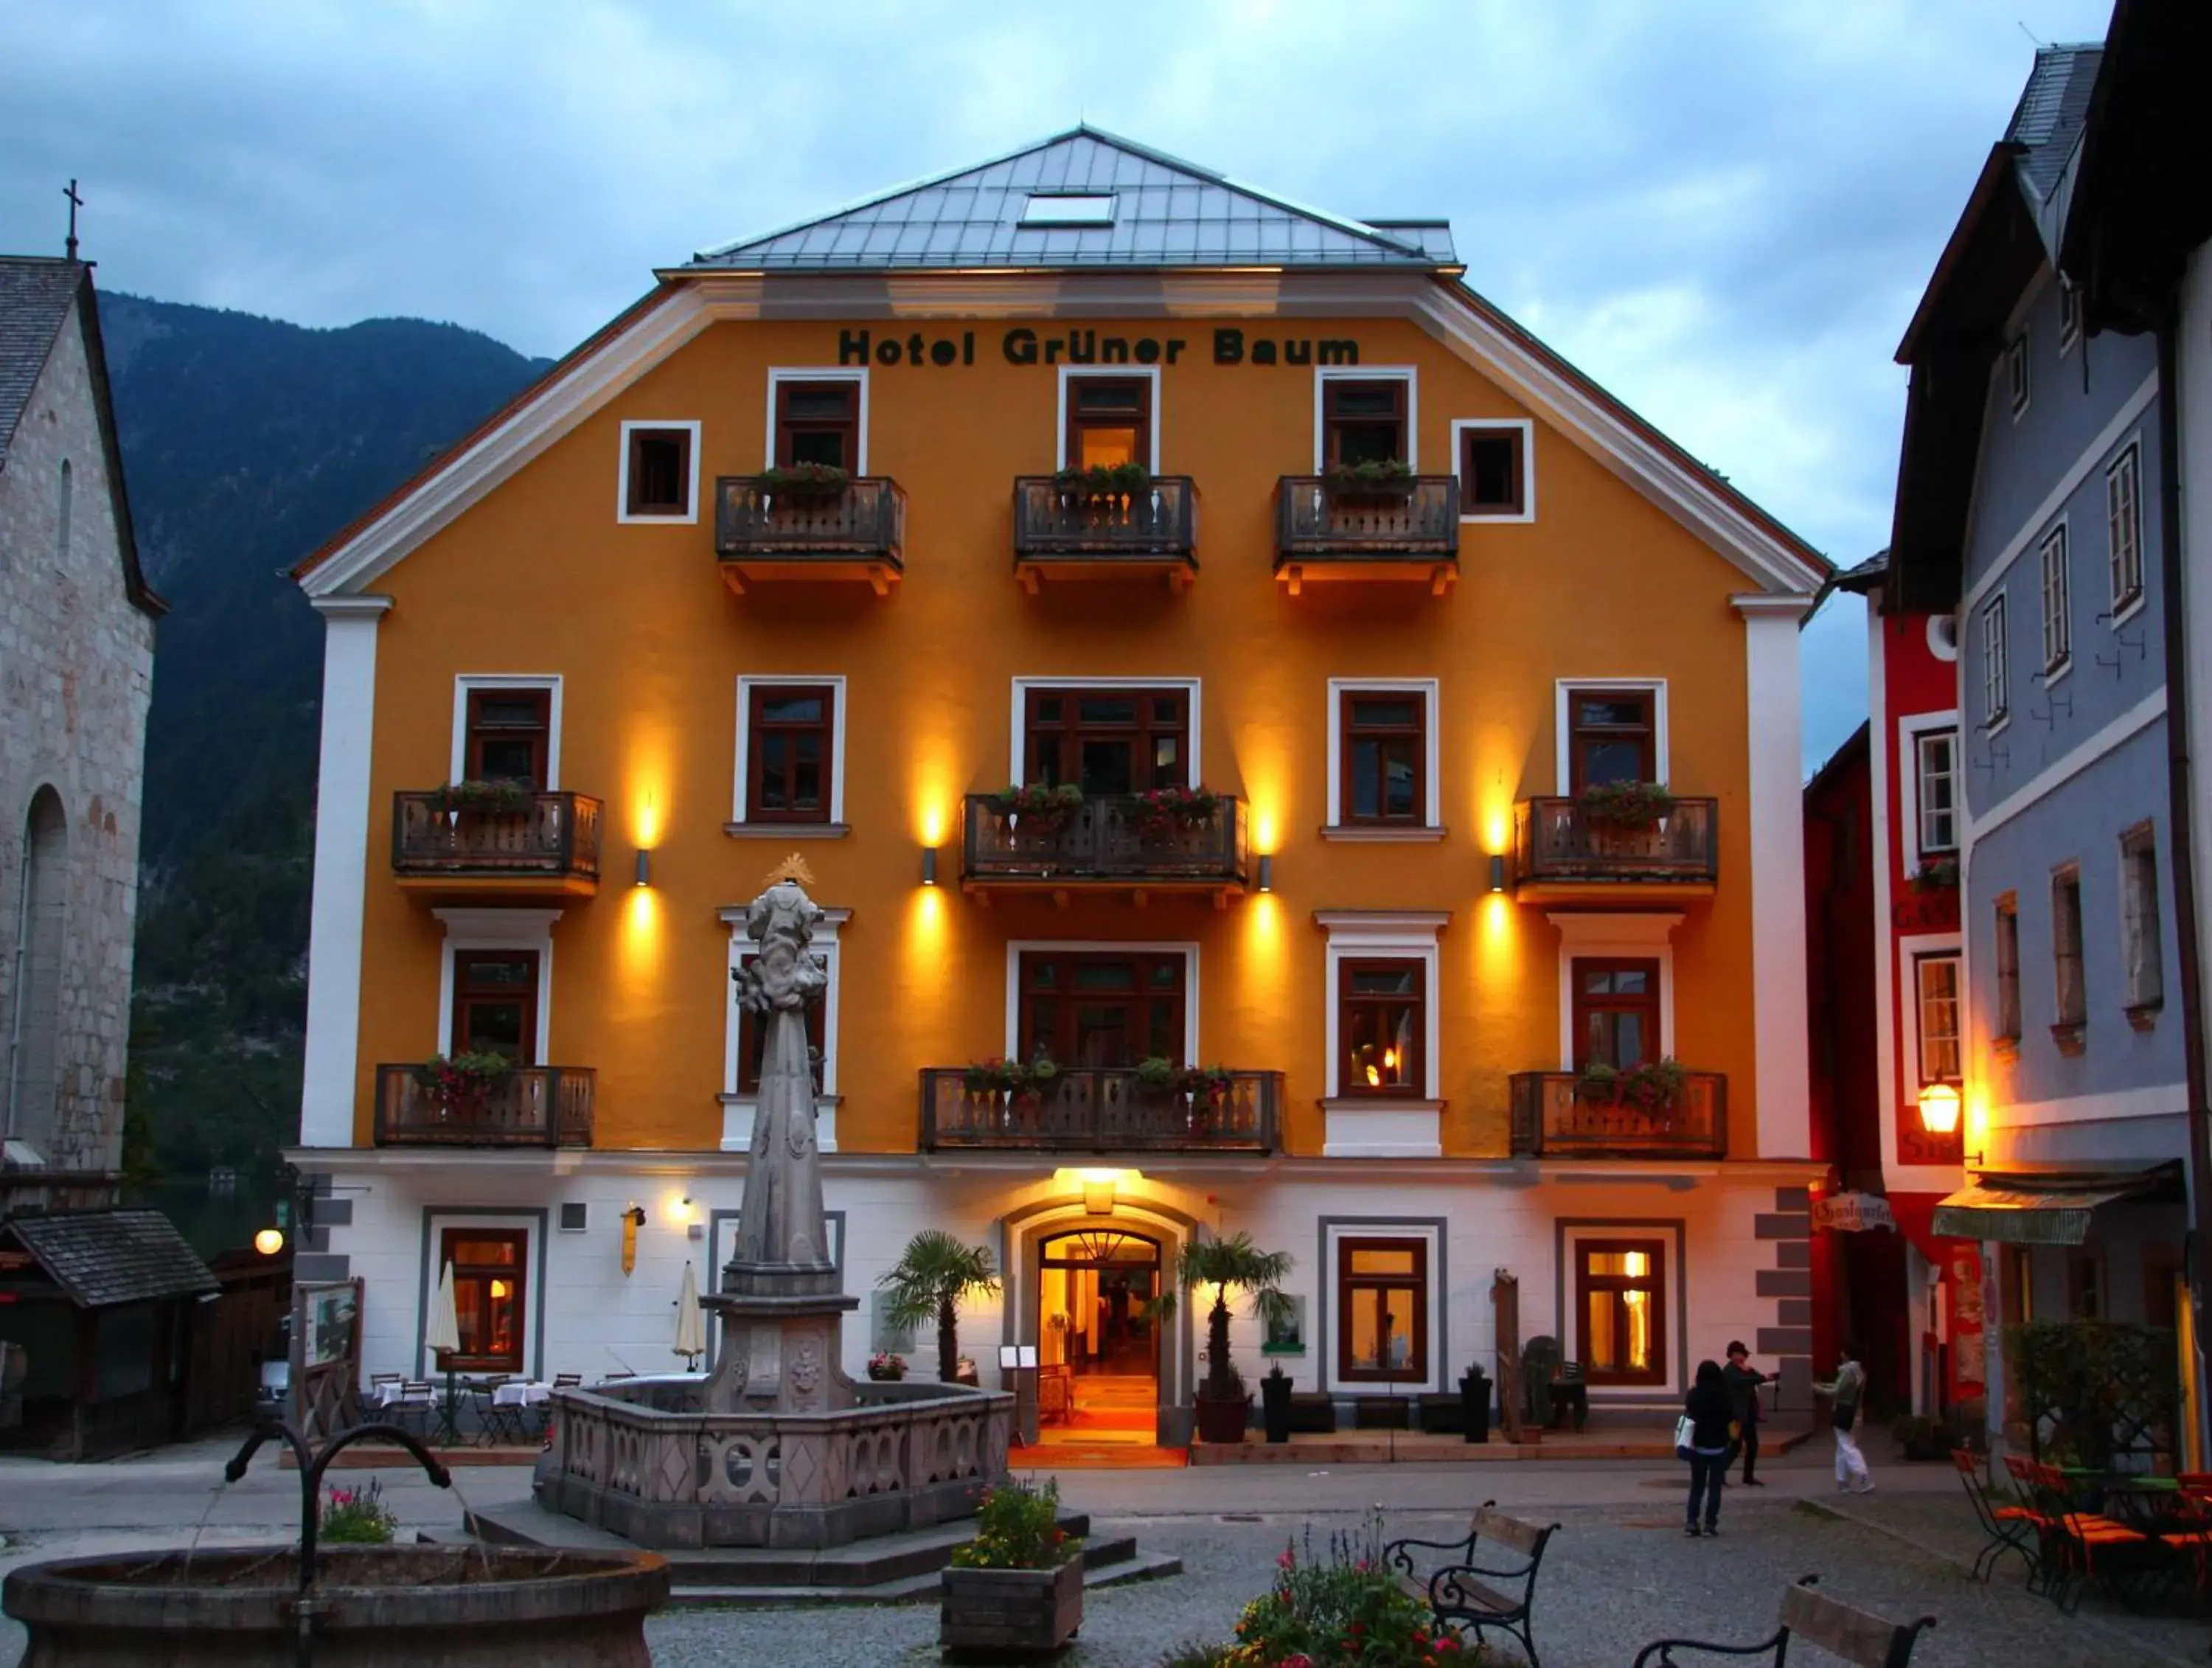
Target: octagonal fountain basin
[(371, 1607)]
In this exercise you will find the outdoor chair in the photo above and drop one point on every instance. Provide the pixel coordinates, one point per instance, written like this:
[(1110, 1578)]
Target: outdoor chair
[(1859, 1637), (1538, 1357), (417, 1406), (2010, 1527), (1451, 1584), (2072, 1541), (567, 1381), (496, 1426)]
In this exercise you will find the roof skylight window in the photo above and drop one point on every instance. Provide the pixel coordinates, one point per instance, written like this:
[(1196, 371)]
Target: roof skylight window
[(1067, 209)]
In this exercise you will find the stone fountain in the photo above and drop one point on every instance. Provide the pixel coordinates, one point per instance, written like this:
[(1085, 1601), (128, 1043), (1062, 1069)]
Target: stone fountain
[(777, 1448)]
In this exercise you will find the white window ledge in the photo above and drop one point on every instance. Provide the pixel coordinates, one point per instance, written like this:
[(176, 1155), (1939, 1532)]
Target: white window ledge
[(1381, 834), (738, 1111), (1363, 1127)]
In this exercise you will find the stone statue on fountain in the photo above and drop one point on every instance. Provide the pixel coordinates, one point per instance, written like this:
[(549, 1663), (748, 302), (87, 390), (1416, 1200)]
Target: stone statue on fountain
[(782, 1299)]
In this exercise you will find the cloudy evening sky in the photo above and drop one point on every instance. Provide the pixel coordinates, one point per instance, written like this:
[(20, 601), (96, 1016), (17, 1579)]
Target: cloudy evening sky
[(1722, 212)]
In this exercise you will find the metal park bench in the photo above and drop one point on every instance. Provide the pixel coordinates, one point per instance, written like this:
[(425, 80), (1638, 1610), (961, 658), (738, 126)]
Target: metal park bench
[(1858, 1637), (1452, 1583)]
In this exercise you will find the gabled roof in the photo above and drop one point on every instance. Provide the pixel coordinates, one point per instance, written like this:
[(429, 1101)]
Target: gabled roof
[(100, 1258), (1163, 212), (36, 293)]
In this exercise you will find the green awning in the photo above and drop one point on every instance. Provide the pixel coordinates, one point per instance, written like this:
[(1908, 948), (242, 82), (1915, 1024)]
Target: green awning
[(2038, 1210)]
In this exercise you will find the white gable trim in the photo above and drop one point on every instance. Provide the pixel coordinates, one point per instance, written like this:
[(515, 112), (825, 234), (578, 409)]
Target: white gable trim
[(1686, 493)]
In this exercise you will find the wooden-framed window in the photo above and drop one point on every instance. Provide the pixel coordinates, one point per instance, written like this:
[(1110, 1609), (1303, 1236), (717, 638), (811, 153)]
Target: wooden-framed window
[(1106, 1008), (2123, 527), (508, 736), (1382, 1311), (2005, 955), (1382, 1008), (1936, 780), (1108, 741), (1383, 749), (1616, 1013), (1996, 698), (656, 471), (752, 1034), (1109, 422), (495, 996), (1364, 420), (1493, 469), (491, 1278), (2066, 947), (2016, 373), (1936, 987), (2058, 616), (1620, 1295), (2142, 949), (1612, 736), (818, 423), (790, 753)]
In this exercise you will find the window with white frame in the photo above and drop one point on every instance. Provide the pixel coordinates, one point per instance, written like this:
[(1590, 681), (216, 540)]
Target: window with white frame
[(1996, 708), (2070, 317), (1936, 978), (2123, 527), (791, 755), (1382, 1030), (2058, 624), (1936, 778), (658, 471), (2016, 372), (2140, 947), (1383, 753)]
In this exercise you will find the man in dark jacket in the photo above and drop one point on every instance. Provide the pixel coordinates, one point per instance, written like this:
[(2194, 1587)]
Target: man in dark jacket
[(1743, 1381)]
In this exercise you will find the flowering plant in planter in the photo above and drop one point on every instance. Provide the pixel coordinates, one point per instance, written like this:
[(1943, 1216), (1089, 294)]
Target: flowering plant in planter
[(884, 1364), (1017, 1527), (357, 1517), (1377, 475), (1625, 804), (803, 480), (460, 1085), (1104, 479), (1655, 1086), (1167, 811), (999, 1076), (1037, 807), (500, 795), (1936, 874)]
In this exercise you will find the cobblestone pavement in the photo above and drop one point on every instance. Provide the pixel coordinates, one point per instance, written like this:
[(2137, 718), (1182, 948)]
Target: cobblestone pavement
[(1615, 1578)]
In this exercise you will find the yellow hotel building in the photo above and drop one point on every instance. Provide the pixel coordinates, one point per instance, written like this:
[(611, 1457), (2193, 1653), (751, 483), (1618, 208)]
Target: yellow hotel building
[(1176, 629)]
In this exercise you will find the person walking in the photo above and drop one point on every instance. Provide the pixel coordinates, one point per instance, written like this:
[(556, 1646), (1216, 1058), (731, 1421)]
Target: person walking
[(1706, 1409), (1743, 1381), (1847, 1389)]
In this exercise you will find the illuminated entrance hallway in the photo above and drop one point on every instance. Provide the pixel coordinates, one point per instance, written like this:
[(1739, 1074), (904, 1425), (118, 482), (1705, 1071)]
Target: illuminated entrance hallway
[(1098, 1348)]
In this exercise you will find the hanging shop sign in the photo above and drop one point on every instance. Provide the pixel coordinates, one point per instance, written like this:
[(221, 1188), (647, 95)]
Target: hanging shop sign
[(1853, 1213)]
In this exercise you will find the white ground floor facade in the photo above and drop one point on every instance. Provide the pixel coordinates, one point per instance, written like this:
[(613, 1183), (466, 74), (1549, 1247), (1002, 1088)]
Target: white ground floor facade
[(1639, 1271)]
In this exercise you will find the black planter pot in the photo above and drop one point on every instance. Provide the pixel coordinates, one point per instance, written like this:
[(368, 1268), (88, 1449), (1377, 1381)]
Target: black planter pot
[(1223, 1418), (1474, 1405), (1275, 1406)]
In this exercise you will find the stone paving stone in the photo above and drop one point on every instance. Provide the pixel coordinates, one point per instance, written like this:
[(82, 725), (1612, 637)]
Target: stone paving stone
[(1615, 1578)]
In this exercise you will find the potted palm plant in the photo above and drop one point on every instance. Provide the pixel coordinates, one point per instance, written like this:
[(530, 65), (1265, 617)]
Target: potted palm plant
[(1222, 1264), (1017, 1586), (934, 1273)]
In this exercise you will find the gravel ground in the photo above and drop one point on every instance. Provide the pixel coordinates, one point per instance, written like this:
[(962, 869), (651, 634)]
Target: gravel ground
[(1614, 1578)]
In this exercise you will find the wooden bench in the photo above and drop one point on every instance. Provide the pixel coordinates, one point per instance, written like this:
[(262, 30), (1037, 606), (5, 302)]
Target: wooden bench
[(1452, 1585), (1857, 1636)]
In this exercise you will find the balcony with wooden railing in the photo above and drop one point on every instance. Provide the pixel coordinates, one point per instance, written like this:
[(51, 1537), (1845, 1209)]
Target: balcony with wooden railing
[(1556, 1115), (527, 1106), (1066, 530), (1109, 842), (523, 842), (1406, 529), (853, 529), (1563, 853), (1101, 1110)]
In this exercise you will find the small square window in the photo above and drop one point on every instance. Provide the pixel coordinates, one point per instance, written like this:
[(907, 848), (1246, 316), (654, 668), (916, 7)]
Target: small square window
[(1493, 471), (1068, 209), (658, 473)]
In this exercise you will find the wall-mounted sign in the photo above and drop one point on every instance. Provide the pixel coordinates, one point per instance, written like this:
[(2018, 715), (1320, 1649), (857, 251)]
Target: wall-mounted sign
[(1023, 345), (1853, 1213)]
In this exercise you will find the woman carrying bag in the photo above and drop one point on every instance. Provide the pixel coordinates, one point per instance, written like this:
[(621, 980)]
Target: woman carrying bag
[(1701, 1436), (1847, 1389)]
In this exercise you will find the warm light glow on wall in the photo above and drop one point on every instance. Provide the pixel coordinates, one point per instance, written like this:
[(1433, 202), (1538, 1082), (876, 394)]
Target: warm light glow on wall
[(930, 763), (648, 769), (638, 941), (1263, 830), (676, 1207), (1264, 986)]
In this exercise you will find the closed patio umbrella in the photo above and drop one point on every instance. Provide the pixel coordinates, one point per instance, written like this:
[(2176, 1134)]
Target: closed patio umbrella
[(690, 1323), (441, 1336)]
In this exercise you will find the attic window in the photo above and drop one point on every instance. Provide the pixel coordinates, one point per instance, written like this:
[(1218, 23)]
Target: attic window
[(1049, 208)]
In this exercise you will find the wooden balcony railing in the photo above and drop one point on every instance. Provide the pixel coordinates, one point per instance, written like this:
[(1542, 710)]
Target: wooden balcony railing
[(864, 520), (1555, 840), (1101, 1110), (1053, 522), (1109, 837), (529, 1106), (1415, 518), (1552, 1119), (553, 836)]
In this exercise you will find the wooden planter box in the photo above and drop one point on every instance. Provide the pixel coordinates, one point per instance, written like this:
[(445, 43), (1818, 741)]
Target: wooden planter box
[(1010, 1610)]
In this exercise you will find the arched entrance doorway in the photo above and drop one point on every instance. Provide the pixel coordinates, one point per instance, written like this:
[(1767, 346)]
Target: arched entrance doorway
[(1098, 1332)]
